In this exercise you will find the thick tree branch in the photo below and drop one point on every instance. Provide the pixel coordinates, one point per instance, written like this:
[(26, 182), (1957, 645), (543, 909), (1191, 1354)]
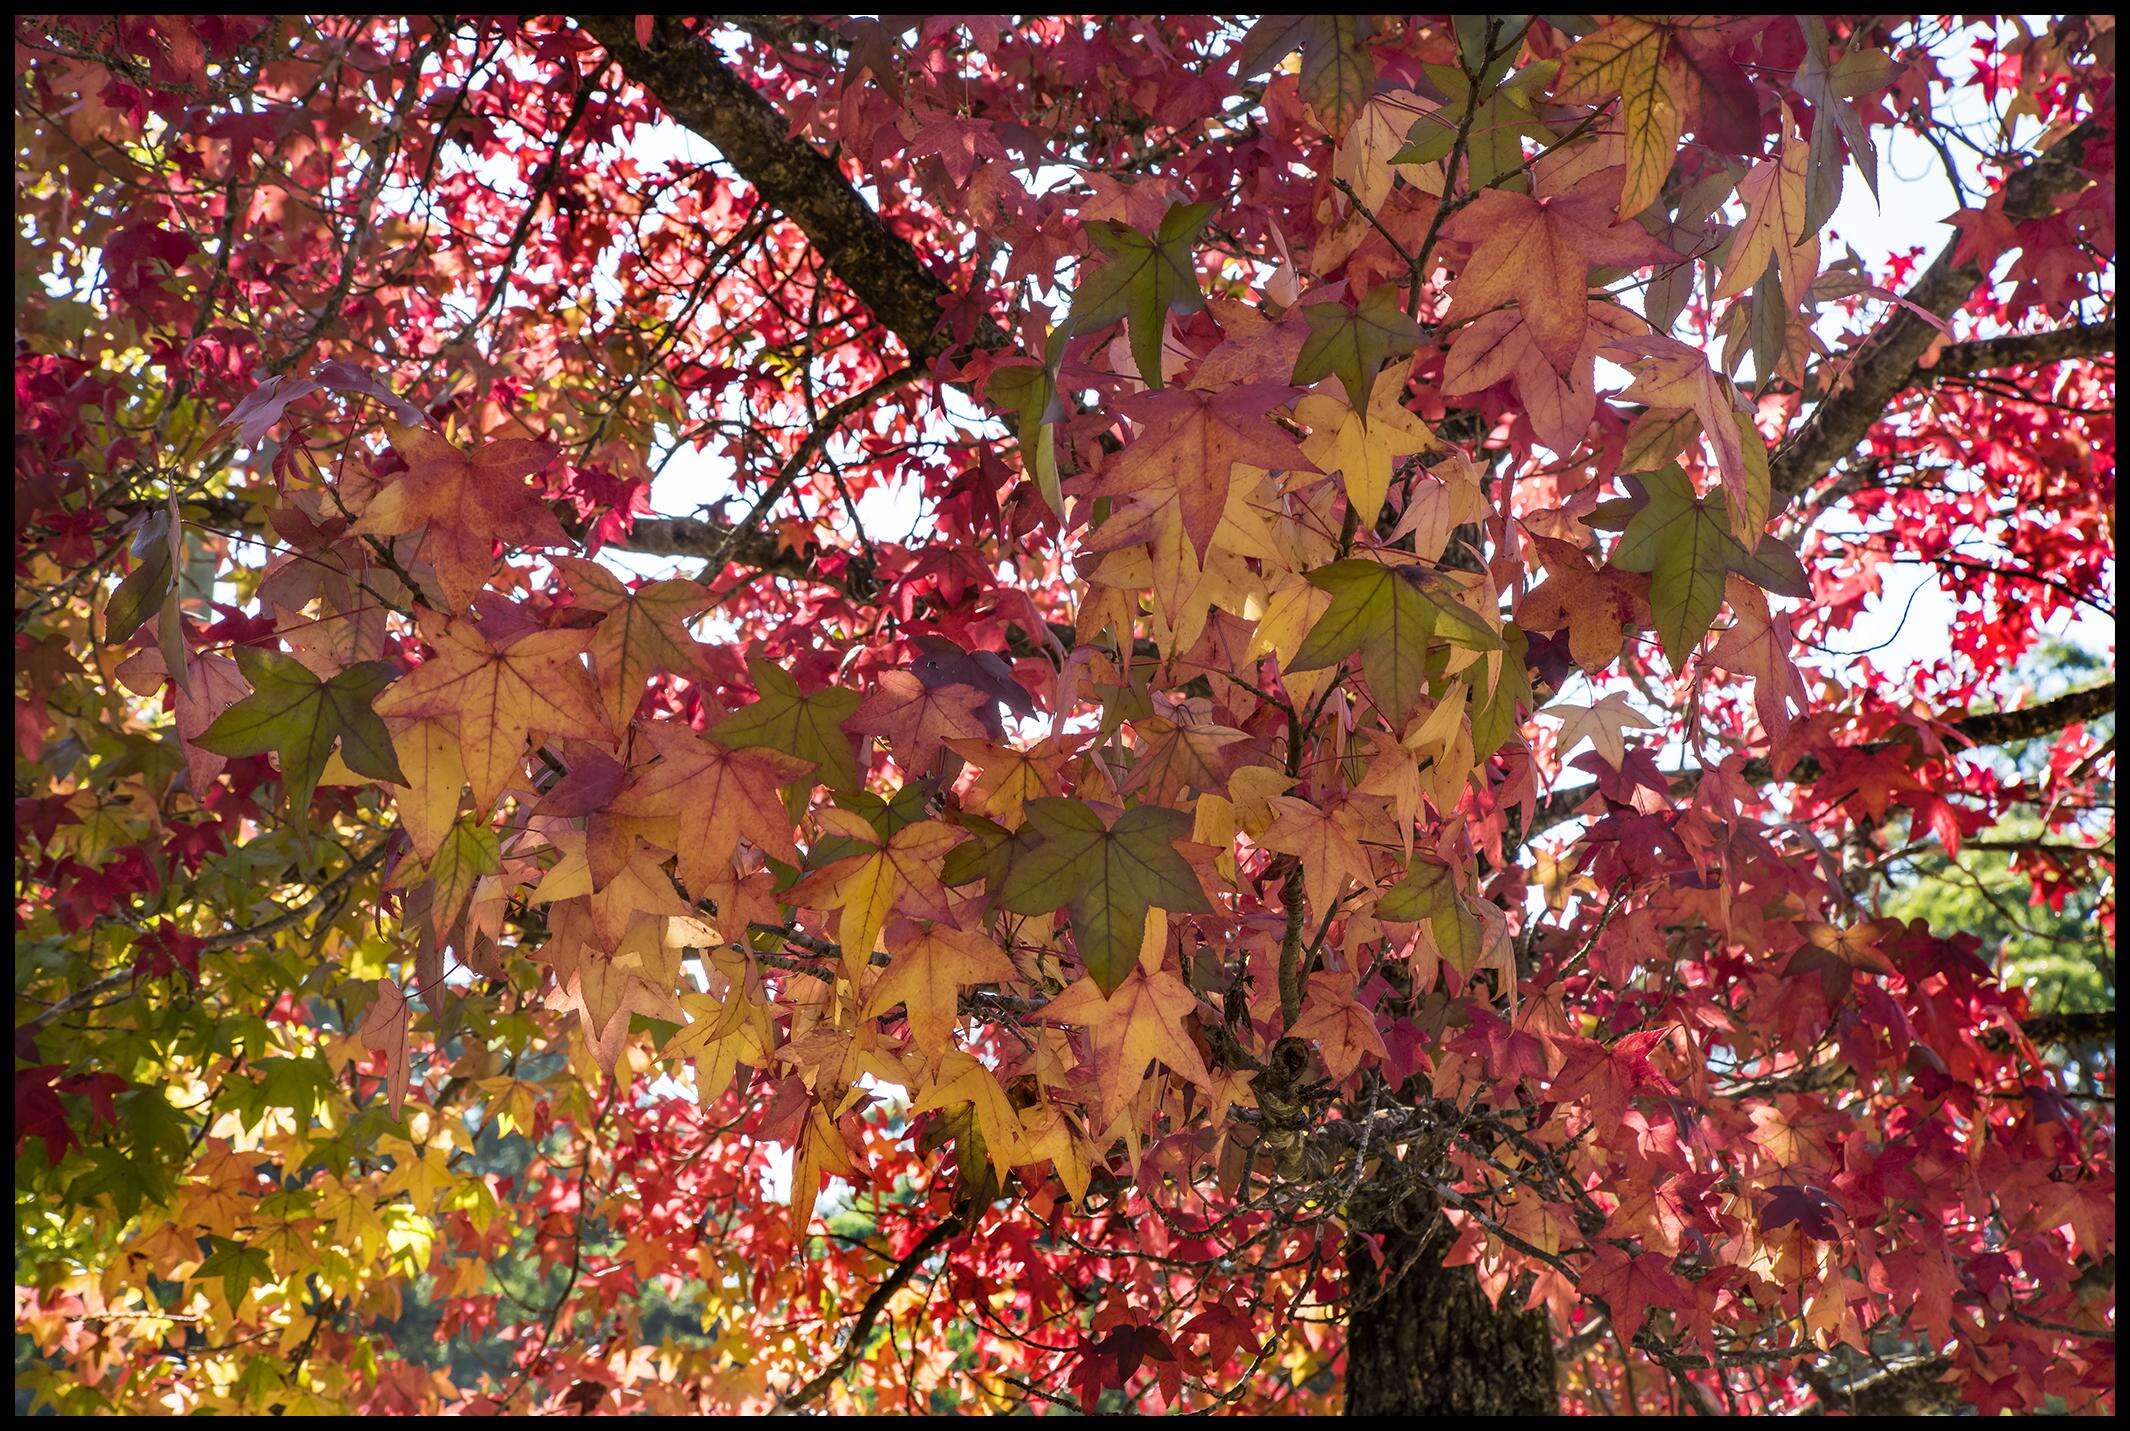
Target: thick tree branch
[(2080, 340), (687, 76), (1886, 361)]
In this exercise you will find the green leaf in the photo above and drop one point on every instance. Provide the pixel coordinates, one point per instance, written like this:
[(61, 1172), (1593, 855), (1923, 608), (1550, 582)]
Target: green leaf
[(469, 851), (1684, 542), (1031, 394), (1425, 892), (1144, 280), (299, 717), (808, 726), (239, 1268), (1108, 875), (142, 592), (1385, 614), (1355, 343)]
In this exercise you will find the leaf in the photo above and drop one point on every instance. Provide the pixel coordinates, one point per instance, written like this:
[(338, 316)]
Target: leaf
[(465, 502), (1385, 614), (639, 631), (1109, 873), (498, 689), (1538, 253), (1604, 725), (809, 726), (1189, 442), (1342, 1031), (900, 872), (300, 718), (1337, 73), (156, 552), (1636, 59), (928, 967), (965, 1080), (384, 1026), (1129, 1026), (468, 851), (1145, 279), (918, 720), (1685, 544), (1355, 342), (701, 798), (1364, 447), (1774, 230), (1030, 392)]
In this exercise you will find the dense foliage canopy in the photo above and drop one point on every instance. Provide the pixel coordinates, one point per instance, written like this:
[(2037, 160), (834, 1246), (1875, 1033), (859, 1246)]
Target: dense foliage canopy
[(982, 713)]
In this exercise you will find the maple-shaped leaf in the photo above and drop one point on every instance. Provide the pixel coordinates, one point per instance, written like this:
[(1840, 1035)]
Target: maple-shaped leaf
[(1604, 724), (1757, 644), (427, 801), (1328, 842), (1631, 1284), (468, 851), (499, 687), (1007, 779), (1189, 441), (466, 502), (808, 725), (961, 1079), (1143, 280), (1137, 1021), (1641, 59), (1355, 342), (1684, 542), (699, 799), (1341, 1030), (1107, 872), (1774, 229), (639, 631), (300, 717), (916, 719), (1669, 374), (1428, 895), (1538, 253), (1364, 447), (929, 965), (1388, 615), (1810, 1210), (1597, 604), (880, 875)]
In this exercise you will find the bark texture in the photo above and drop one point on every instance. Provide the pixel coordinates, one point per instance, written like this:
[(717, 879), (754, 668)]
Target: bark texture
[(1422, 1339)]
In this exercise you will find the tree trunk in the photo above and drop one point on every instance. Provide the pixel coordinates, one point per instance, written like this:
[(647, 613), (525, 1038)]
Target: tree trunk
[(1422, 1338)]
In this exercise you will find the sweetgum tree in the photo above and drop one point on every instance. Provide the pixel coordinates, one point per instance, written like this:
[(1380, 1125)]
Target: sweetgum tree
[(1231, 767)]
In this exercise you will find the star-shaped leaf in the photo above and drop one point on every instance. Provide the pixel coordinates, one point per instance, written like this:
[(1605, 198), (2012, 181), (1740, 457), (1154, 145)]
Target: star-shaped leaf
[(1109, 873), (808, 725), (466, 501), (1143, 280), (1355, 342), (300, 717)]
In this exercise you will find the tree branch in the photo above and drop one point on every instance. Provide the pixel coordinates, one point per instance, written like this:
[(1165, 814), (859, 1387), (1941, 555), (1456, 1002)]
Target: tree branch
[(1886, 361), (688, 77), (2080, 340), (870, 1312)]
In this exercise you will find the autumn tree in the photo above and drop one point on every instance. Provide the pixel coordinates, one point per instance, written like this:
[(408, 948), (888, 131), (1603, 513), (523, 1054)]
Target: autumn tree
[(994, 713)]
